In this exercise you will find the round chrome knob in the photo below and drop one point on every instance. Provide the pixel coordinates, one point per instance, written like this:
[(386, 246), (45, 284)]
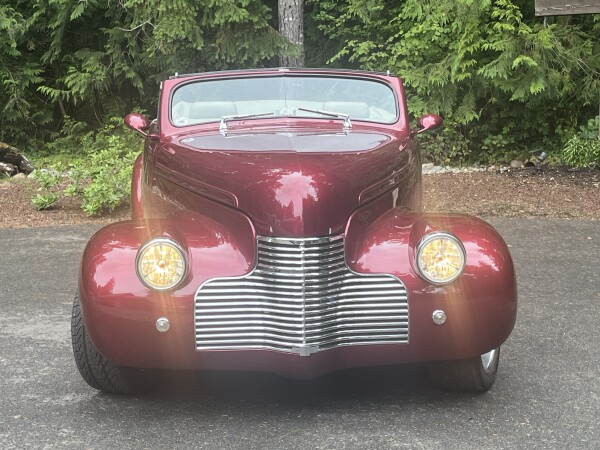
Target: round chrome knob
[(163, 324), (439, 317)]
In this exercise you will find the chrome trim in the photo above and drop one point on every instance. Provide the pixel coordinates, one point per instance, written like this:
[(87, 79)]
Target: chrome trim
[(439, 317), (224, 130), (437, 235), (488, 360), (345, 117), (161, 240), (300, 298), (162, 324)]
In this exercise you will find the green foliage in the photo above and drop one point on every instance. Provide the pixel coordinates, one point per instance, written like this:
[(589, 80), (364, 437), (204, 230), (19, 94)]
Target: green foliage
[(100, 176), (583, 148), (504, 80), (95, 59), (48, 186), (47, 179), (507, 80), (591, 130), (103, 179), (45, 201), (447, 147)]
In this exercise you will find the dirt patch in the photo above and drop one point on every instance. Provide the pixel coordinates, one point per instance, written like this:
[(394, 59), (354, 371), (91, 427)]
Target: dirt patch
[(16, 210), (552, 192)]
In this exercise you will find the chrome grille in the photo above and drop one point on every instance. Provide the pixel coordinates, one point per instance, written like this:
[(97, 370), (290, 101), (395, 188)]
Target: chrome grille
[(300, 298)]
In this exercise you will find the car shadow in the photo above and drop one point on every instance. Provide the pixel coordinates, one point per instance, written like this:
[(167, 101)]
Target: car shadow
[(238, 401), (380, 384)]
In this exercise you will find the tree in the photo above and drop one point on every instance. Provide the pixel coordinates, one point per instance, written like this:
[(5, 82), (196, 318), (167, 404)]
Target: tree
[(503, 80), (94, 59), (291, 27)]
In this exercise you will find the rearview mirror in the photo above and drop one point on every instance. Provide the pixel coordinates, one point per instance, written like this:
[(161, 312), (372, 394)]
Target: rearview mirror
[(137, 122), (429, 122)]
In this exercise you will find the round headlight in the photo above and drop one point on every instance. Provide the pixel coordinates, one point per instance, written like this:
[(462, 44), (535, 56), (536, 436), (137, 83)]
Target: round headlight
[(440, 258), (161, 264)]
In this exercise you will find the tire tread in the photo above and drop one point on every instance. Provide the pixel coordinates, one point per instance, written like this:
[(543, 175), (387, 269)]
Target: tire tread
[(95, 369)]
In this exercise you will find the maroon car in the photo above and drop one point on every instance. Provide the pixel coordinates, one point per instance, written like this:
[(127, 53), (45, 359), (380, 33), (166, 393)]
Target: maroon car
[(277, 226)]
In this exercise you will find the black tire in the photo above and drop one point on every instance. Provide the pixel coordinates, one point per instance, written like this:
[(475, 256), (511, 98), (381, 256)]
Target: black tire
[(474, 374), (96, 370)]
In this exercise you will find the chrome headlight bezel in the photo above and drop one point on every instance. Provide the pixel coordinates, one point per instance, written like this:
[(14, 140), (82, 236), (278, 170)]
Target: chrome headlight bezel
[(139, 260), (427, 239)]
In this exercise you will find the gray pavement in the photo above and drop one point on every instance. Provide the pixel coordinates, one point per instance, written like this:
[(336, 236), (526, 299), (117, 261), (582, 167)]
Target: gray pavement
[(547, 394)]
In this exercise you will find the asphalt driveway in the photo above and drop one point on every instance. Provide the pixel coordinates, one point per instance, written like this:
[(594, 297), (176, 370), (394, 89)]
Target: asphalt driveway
[(547, 394)]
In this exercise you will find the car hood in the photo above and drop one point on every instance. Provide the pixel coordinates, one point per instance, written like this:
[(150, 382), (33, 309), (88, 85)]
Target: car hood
[(290, 184)]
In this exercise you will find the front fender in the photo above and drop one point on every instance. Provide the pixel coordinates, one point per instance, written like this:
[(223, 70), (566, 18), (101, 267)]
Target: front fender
[(118, 308), (120, 313), (480, 305)]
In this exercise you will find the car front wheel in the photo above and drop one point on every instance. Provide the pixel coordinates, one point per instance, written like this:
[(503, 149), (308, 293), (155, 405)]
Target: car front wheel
[(474, 374), (98, 371)]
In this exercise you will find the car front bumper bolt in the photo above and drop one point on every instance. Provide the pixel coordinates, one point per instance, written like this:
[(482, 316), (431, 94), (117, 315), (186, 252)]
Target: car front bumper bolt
[(163, 324), (439, 317)]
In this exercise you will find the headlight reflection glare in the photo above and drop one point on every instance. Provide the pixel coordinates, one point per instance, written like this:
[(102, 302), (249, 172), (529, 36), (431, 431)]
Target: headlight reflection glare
[(161, 264), (440, 258)]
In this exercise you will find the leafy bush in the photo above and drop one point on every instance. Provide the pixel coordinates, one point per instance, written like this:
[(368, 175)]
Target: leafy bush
[(499, 147), (103, 181), (583, 148), (45, 201), (48, 181), (445, 147), (122, 50), (99, 173), (507, 78)]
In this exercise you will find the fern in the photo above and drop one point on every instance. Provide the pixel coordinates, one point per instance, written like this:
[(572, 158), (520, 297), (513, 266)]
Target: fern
[(91, 59), (483, 65)]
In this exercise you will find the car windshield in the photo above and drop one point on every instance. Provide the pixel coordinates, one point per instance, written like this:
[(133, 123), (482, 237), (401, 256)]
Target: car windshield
[(289, 96)]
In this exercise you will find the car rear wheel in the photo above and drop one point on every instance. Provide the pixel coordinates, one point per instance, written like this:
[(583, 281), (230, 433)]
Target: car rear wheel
[(98, 371), (474, 374)]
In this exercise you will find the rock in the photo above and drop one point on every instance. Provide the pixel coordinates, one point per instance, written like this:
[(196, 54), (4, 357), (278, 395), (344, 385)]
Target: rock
[(515, 164), (429, 169), (20, 175), (12, 156), (8, 169)]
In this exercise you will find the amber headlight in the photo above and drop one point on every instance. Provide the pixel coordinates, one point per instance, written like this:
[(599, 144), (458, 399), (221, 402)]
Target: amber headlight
[(440, 258), (161, 264)]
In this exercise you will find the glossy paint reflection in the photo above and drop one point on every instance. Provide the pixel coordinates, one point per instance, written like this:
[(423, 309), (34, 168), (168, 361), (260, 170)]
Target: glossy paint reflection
[(286, 192), (294, 189)]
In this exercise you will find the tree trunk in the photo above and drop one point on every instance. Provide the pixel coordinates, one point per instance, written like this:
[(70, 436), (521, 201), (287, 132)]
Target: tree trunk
[(291, 26)]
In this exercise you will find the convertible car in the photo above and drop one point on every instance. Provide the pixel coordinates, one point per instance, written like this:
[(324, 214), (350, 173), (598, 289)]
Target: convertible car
[(277, 226)]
